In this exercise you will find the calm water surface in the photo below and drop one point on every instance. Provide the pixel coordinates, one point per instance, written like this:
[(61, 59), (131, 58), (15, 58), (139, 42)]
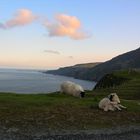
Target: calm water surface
[(31, 81)]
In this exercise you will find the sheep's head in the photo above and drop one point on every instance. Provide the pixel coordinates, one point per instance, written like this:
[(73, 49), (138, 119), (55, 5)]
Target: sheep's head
[(82, 94), (114, 98)]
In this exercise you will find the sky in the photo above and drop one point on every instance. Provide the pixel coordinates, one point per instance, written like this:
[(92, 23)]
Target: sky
[(48, 34)]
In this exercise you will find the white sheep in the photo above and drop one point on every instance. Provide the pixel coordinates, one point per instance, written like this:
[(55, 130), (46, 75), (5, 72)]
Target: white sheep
[(72, 89), (112, 102)]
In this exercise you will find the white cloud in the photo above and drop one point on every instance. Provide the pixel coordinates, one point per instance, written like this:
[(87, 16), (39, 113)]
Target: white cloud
[(21, 18), (66, 25)]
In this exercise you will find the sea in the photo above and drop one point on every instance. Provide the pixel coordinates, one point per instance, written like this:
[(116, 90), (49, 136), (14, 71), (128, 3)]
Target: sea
[(34, 81)]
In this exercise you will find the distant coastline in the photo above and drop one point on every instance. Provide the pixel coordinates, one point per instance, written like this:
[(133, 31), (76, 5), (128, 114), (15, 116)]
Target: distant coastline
[(34, 81)]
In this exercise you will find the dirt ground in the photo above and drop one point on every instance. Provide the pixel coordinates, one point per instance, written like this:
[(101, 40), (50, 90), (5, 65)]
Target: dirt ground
[(120, 133)]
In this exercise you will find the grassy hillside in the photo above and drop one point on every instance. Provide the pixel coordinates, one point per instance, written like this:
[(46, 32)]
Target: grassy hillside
[(125, 83), (61, 112), (129, 60)]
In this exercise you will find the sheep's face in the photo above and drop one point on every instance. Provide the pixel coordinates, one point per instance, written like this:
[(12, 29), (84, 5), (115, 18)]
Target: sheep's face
[(114, 97), (82, 94)]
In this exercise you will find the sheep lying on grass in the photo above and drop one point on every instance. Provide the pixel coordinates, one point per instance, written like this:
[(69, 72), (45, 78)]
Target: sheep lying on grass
[(112, 103), (72, 89)]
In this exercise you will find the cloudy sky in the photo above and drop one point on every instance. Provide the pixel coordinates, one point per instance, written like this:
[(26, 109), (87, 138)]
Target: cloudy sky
[(47, 34)]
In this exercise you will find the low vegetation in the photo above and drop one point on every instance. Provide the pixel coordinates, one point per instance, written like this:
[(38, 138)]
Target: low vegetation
[(125, 83), (62, 112)]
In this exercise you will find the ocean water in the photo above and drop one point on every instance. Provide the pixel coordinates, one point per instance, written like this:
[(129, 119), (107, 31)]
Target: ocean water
[(32, 81)]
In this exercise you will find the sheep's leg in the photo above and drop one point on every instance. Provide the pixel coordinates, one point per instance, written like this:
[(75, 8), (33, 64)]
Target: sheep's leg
[(111, 108), (113, 103), (116, 106), (106, 108), (122, 106)]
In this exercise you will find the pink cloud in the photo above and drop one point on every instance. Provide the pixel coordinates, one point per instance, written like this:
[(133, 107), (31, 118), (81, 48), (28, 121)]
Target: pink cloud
[(21, 18), (66, 25)]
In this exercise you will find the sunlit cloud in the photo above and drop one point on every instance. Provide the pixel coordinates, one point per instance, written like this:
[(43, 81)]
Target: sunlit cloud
[(52, 52), (21, 18), (66, 25), (63, 26)]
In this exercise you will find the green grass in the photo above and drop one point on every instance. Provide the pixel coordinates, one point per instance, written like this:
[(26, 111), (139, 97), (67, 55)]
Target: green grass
[(62, 112), (129, 89)]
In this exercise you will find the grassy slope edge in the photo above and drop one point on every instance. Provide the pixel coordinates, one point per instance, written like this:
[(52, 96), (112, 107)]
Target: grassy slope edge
[(126, 83)]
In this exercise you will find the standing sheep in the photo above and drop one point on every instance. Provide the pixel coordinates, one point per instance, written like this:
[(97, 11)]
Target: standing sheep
[(72, 89), (112, 102)]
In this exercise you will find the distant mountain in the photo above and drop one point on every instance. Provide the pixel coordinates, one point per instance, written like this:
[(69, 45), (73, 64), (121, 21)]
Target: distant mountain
[(129, 60), (75, 71), (87, 65)]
